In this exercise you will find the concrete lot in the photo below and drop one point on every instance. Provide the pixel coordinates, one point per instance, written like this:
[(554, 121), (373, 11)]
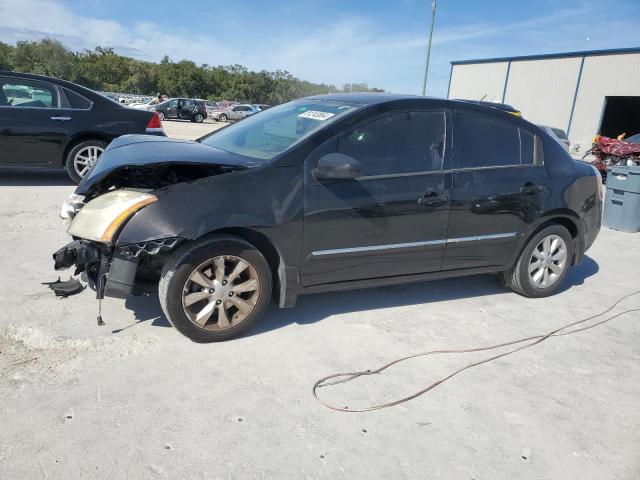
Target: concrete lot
[(189, 130), (135, 399)]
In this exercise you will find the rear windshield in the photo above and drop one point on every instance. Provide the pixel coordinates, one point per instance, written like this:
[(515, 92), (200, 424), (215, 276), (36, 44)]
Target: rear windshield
[(266, 135), (559, 133)]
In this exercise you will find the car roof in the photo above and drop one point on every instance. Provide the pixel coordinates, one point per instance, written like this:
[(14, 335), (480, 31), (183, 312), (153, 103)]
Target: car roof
[(367, 99), (87, 92), (380, 98)]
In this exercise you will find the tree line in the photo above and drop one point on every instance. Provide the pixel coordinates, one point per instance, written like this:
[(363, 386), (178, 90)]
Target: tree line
[(105, 70)]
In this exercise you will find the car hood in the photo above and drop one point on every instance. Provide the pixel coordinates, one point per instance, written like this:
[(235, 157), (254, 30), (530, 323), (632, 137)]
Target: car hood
[(135, 156)]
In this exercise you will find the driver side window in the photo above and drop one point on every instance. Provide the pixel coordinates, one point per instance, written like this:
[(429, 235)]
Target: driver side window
[(398, 143)]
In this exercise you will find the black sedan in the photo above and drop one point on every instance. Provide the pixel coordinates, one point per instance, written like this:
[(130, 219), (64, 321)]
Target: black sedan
[(47, 122), (330, 193)]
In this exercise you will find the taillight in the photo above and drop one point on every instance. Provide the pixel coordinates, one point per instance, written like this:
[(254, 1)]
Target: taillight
[(155, 123)]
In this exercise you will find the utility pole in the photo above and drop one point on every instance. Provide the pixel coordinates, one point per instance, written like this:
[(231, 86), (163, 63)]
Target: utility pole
[(434, 6)]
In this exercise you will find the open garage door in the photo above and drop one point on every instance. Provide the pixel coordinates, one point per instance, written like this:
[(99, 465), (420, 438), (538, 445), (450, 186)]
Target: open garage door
[(620, 115)]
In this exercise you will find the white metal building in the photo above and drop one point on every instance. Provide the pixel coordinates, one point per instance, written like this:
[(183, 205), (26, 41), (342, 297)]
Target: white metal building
[(583, 93)]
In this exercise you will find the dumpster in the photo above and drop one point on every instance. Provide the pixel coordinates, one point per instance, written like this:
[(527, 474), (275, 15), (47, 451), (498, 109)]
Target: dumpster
[(622, 202)]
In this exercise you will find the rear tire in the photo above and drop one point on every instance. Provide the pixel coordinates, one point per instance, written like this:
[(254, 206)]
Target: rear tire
[(231, 305), (198, 118), (543, 263), (81, 157)]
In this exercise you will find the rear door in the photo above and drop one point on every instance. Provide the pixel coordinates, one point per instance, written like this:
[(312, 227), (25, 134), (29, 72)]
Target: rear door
[(186, 109), (393, 219), (499, 187), (33, 125), (238, 113), (172, 108)]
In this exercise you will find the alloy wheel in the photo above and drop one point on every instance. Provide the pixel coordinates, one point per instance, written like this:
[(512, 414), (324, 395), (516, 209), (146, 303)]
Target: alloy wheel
[(221, 293), (85, 158), (548, 261)]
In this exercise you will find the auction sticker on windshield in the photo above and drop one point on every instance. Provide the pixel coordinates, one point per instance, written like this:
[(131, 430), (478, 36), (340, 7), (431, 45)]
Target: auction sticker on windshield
[(316, 115)]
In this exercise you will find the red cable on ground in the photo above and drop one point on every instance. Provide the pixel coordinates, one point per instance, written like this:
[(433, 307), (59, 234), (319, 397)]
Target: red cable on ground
[(534, 340)]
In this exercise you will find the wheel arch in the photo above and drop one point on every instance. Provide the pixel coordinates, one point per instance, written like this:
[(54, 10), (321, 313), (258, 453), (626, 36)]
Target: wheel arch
[(79, 138), (567, 219), (284, 276)]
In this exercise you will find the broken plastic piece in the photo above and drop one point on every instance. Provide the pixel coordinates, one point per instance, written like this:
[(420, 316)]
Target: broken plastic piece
[(65, 289)]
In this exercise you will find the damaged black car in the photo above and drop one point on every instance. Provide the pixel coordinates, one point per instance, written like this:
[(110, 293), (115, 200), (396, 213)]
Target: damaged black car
[(329, 193)]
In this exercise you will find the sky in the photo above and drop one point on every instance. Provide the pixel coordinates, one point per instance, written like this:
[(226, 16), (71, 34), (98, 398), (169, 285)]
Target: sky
[(378, 42)]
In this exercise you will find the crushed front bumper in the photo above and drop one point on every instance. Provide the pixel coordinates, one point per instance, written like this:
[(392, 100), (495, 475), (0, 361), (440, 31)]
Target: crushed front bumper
[(110, 271), (107, 271)]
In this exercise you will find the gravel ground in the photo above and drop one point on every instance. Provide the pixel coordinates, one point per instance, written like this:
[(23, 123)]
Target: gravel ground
[(134, 399)]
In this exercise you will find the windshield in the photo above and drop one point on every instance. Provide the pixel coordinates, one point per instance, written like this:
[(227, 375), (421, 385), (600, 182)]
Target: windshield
[(274, 130)]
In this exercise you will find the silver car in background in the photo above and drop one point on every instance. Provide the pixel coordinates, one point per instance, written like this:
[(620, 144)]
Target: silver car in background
[(235, 112)]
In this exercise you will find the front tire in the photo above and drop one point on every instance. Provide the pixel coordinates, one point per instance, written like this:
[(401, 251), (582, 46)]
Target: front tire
[(215, 288), (81, 157), (222, 118), (161, 115), (543, 263), (198, 118)]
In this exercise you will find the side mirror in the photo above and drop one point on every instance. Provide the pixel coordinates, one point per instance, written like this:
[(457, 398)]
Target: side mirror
[(337, 166)]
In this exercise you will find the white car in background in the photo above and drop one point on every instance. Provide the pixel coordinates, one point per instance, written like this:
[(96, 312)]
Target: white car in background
[(146, 105), (235, 112), (558, 134)]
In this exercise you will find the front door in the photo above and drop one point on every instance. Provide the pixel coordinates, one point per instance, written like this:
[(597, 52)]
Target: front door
[(499, 186), (33, 127), (390, 221)]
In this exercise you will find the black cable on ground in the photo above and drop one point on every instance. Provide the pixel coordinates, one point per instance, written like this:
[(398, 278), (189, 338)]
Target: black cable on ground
[(533, 340)]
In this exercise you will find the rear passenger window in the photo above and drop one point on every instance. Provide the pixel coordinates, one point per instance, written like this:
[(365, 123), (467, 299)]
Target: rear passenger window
[(486, 143), (530, 149), (406, 142), (527, 147), (76, 101)]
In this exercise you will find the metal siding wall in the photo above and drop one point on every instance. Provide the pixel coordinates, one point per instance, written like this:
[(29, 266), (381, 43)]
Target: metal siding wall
[(474, 81), (544, 89), (607, 75)]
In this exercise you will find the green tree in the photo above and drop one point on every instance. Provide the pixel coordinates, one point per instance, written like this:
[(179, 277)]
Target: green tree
[(103, 69), (46, 57), (6, 54)]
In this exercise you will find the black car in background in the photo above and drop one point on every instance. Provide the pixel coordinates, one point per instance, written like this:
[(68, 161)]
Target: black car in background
[(48, 122), (182, 109), (329, 193)]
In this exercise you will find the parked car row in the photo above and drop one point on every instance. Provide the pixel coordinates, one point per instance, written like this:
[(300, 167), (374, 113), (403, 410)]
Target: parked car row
[(47, 122), (197, 110)]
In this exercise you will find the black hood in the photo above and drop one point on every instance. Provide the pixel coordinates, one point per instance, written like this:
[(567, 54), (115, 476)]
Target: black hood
[(168, 159)]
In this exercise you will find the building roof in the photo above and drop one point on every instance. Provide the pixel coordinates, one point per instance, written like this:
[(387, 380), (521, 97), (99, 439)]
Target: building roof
[(585, 53)]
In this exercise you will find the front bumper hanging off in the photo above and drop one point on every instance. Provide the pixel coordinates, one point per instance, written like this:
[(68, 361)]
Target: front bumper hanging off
[(110, 271)]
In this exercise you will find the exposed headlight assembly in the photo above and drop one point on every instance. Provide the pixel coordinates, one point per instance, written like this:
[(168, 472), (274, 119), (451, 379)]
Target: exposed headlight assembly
[(101, 218)]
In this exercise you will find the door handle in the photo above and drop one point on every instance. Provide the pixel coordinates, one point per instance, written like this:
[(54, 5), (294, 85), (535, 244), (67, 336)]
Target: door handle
[(529, 188), (61, 119), (432, 199)]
